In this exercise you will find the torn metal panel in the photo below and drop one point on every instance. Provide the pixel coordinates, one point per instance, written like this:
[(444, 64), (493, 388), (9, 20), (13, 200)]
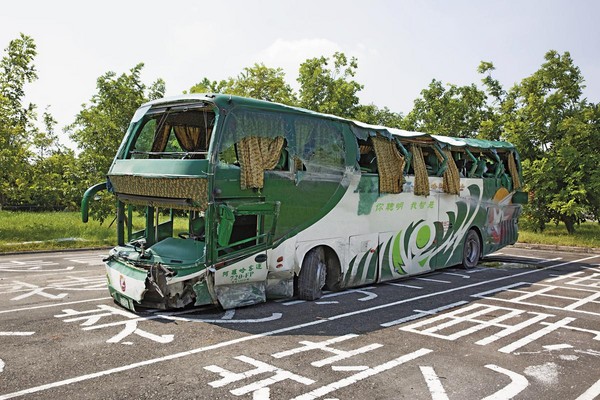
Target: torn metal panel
[(241, 294), (204, 293), (280, 284)]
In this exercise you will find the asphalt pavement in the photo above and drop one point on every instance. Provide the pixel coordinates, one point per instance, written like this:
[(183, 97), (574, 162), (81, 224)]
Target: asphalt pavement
[(524, 324)]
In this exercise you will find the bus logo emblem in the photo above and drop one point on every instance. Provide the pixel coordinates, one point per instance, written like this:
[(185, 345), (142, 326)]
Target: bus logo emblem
[(123, 283)]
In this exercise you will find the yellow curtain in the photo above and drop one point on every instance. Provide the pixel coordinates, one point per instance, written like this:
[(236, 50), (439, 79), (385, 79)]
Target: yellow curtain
[(421, 178), (188, 137), (161, 137), (451, 182), (390, 165), (256, 155), (514, 172)]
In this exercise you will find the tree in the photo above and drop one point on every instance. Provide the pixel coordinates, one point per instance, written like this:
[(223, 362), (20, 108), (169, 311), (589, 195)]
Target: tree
[(264, 83), (16, 119), (535, 107), (330, 90), (557, 132), (258, 82), (208, 86), (371, 114), (100, 126), (449, 110)]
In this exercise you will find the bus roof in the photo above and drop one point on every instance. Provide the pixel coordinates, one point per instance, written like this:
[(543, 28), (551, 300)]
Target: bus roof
[(225, 101)]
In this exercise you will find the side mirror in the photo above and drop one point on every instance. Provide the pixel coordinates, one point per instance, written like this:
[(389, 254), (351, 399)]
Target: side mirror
[(225, 227), (91, 193)]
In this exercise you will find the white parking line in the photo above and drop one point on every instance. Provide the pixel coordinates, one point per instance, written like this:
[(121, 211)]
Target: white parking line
[(434, 384), (16, 333), (421, 314), (432, 280), (53, 305), (404, 285), (517, 385), (591, 393), (455, 274)]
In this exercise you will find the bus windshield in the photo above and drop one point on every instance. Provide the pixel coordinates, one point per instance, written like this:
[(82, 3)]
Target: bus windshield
[(178, 132)]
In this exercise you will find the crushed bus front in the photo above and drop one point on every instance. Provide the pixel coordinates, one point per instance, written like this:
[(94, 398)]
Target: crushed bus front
[(169, 274), (160, 175)]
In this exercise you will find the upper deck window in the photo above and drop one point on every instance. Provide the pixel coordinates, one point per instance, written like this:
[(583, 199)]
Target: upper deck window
[(174, 133)]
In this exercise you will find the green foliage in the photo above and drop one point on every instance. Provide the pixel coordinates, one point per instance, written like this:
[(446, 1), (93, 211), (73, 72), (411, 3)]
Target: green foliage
[(16, 119), (330, 90), (557, 132), (452, 110), (263, 83), (100, 126), (258, 81), (371, 114), (535, 108)]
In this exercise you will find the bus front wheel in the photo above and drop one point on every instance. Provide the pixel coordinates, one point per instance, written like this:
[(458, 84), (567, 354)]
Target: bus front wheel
[(471, 250), (312, 275)]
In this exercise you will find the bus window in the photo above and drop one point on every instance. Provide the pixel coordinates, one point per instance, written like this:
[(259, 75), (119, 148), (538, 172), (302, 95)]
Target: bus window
[(244, 229), (319, 145), (367, 161), (431, 161), (254, 141), (174, 134)]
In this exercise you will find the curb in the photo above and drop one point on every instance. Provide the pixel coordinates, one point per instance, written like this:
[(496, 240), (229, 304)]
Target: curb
[(551, 247)]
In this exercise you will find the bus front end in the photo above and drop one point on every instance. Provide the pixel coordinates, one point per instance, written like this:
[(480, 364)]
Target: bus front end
[(163, 264), (160, 179)]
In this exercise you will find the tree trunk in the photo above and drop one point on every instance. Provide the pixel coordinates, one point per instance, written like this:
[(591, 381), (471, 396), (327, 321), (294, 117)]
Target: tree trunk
[(569, 224)]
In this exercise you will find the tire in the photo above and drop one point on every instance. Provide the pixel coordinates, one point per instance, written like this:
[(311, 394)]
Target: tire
[(312, 275), (471, 250)]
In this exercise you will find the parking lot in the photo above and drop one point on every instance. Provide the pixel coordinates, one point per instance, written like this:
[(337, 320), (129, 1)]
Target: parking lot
[(524, 324)]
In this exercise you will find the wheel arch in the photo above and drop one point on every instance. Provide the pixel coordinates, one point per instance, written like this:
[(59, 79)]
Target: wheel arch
[(477, 230), (333, 252)]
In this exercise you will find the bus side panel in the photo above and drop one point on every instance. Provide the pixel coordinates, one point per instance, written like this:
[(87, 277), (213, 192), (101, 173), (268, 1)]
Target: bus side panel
[(363, 264), (457, 215), (499, 228)]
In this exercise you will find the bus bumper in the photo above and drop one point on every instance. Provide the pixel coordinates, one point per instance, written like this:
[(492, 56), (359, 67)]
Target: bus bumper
[(127, 285), (134, 287)]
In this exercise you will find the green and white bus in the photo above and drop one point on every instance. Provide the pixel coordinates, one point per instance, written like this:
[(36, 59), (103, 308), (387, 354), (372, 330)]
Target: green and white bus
[(277, 201)]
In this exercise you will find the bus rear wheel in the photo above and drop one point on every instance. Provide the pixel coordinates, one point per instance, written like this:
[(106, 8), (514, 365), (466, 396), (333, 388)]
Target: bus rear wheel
[(471, 250), (313, 275)]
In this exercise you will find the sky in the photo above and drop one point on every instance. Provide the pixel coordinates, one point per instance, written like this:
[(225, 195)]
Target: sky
[(400, 45)]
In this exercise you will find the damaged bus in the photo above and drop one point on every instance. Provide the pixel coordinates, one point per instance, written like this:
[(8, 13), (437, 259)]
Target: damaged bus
[(245, 200)]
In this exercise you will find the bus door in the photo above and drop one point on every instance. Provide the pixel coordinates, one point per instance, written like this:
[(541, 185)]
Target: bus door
[(243, 235), (363, 267)]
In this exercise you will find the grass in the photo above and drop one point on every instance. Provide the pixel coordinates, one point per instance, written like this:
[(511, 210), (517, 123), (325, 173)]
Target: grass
[(586, 234), (28, 231)]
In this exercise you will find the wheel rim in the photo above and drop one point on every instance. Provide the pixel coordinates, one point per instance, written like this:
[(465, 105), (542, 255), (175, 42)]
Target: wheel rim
[(471, 250), (321, 273)]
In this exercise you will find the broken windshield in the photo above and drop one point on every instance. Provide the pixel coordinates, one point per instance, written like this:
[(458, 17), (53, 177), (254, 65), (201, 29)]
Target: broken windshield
[(178, 132)]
